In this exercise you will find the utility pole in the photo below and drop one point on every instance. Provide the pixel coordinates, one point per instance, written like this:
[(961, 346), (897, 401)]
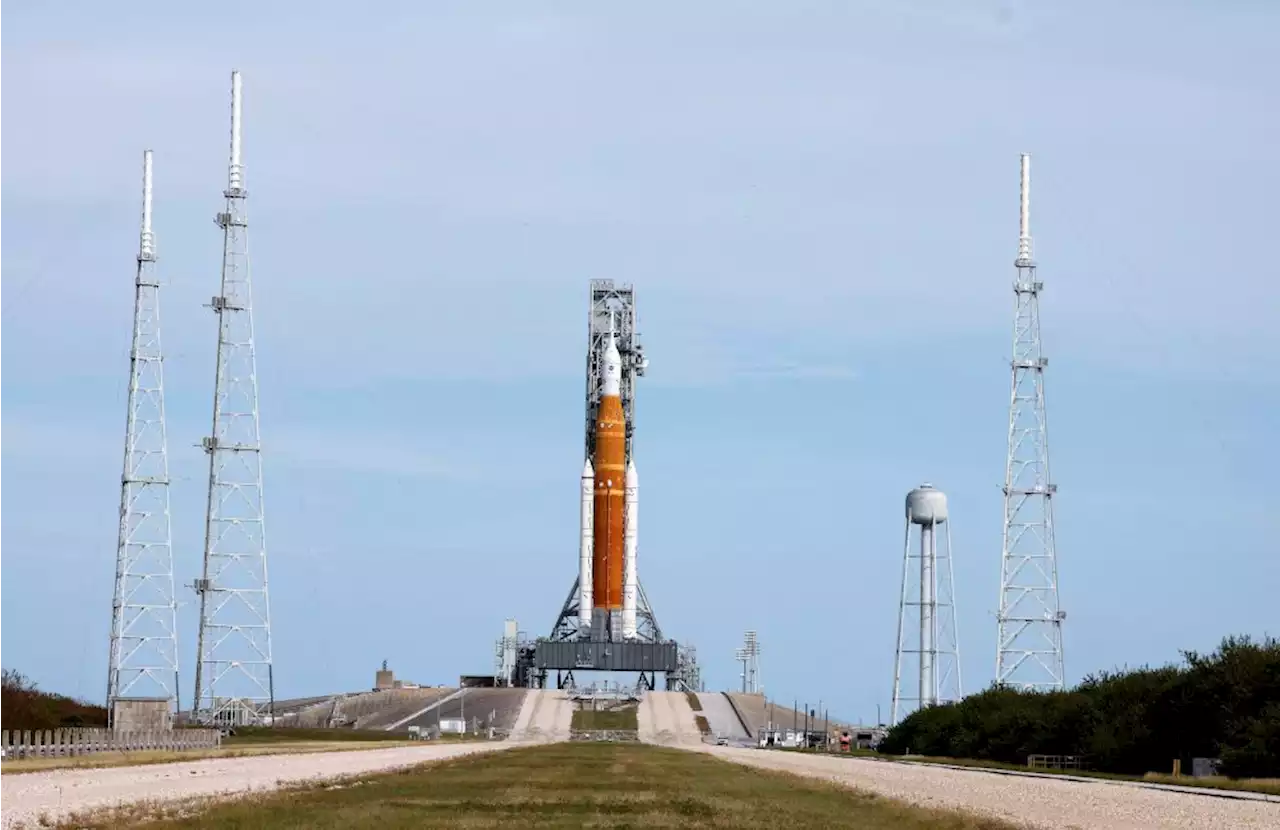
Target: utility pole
[(234, 682), (143, 657), (1029, 622)]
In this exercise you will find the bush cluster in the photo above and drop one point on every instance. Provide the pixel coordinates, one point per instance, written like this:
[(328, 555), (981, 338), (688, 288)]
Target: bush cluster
[(26, 707), (1221, 705)]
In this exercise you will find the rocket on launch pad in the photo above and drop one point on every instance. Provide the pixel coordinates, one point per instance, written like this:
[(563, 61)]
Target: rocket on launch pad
[(610, 495)]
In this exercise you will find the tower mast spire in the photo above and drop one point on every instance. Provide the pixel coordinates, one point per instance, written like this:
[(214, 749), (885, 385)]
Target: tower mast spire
[(1029, 622), (143, 658), (234, 683)]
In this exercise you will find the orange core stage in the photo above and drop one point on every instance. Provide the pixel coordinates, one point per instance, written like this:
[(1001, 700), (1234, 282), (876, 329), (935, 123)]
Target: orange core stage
[(610, 493)]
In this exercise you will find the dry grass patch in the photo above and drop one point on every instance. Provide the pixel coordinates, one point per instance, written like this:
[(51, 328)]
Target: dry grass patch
[(589, 720), (1270, 786), (559, 786)]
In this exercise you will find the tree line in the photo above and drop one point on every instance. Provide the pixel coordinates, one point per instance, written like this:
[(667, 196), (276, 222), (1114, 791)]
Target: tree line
[(23, 706), (1225, 705)]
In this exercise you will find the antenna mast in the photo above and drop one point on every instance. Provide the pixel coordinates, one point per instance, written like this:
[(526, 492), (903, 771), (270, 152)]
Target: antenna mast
[(234, 683), (1029, 639), (144, 642)]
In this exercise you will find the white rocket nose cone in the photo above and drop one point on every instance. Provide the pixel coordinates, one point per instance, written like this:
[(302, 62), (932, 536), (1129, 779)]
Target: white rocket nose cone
[(587, 470), (612, 369), (633, 478)]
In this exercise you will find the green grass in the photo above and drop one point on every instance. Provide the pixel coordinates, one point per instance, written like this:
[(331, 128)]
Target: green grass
[(589, 720), (268, 735), (563, 786)]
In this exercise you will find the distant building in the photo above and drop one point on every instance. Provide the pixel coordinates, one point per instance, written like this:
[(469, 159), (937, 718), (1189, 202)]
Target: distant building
[(384, 679)]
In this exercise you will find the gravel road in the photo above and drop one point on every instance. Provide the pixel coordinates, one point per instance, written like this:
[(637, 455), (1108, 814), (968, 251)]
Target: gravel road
[(1031, 802), (59, 793)]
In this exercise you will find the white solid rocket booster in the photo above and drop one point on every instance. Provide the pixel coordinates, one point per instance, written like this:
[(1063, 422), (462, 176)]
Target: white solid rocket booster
[(629, 543), (585, 545)]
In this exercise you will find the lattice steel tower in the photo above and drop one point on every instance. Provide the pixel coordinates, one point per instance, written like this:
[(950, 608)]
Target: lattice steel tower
[(143, 661), (233, 668), (1029, 639)]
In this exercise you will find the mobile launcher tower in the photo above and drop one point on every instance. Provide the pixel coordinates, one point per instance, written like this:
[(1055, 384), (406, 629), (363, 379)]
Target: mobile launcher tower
[(606, 622)]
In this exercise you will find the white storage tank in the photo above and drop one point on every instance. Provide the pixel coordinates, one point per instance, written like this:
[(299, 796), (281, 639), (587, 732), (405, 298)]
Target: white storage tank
[(926, 505), (452, 726)]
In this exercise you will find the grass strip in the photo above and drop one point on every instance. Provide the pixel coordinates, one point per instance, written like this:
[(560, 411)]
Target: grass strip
[(590, 720), (271, 734), (569, 785)]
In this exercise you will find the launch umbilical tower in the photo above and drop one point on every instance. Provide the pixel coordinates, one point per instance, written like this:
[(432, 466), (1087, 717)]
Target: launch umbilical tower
[(606, 622), (1029, 622), (234, 681), (937, 645), (143, 659), (611, 318)]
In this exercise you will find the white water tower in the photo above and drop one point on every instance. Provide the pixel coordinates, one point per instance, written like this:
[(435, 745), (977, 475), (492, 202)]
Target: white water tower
[(927, 636)]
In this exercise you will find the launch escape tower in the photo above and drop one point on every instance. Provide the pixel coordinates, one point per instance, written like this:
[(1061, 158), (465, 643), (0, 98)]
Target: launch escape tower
[(1029, 638), (937, 655), (600, 646), (233, 665), (143, 659)]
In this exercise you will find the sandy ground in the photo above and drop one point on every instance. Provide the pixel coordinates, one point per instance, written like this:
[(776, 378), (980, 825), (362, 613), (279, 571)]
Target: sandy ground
[(60, 793), (1033, 802)]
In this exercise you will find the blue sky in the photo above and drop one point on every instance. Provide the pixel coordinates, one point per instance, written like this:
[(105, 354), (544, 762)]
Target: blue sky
[(817, 203)]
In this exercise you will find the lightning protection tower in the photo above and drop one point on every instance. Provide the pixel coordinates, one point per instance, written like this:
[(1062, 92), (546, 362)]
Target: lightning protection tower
[(234, 683), (1029, 622), (748, 654), (143, 659), (937, 651)]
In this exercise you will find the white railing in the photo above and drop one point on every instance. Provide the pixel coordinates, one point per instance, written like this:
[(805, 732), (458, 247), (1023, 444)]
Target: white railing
[(52, 743)]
